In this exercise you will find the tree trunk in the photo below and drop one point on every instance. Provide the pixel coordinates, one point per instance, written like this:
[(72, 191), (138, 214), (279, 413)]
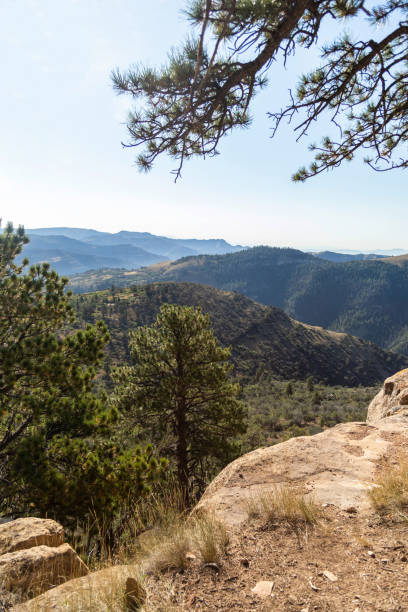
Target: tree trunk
[(182, 456)]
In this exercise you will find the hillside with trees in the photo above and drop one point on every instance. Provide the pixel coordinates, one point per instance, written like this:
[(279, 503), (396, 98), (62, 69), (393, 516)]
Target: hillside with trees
[(263, 339), (363, 298)]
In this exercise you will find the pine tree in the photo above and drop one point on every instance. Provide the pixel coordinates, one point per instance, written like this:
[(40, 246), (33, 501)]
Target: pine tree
[(310, 384), (56, 456), (209, 84), (179, 387)]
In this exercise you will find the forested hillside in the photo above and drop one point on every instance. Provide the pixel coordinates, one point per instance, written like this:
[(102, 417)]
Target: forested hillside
[(364, 298), (263, 339)]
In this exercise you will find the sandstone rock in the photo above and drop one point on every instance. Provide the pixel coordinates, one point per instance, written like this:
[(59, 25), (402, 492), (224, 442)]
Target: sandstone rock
[(37, 569), (336, 466), (104, 591), (28, 532), (392, 398)]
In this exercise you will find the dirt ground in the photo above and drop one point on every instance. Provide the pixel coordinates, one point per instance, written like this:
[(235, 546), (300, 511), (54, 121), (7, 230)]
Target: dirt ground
[(368, 557)]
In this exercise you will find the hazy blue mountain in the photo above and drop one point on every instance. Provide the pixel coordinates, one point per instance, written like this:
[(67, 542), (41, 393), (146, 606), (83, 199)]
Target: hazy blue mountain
[(77, 233), (158, 248), (172, 248), (69, 256), (385, 252)]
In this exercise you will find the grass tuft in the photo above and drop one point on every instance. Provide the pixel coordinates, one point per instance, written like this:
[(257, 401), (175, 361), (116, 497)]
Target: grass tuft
[(389, 495), (283, 504), (210, 537)]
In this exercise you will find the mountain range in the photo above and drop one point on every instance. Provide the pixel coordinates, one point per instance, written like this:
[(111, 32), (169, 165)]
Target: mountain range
[(368, 299), (75, 250), (263, 339)]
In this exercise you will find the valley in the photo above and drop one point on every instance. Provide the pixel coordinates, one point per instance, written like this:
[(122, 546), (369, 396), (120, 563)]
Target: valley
[(367, 299), (264, 339)]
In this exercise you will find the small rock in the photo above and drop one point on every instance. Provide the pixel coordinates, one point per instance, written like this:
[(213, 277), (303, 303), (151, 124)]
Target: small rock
[(245, 562), (135, 594), (212, 566), (313, 586), (263, 589), (330, 576), (403, 558), (384, 561), (371, 553), (351, 510), (190, 556)]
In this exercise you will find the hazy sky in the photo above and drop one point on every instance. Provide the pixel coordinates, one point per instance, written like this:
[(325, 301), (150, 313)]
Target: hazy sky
[(62, 162)]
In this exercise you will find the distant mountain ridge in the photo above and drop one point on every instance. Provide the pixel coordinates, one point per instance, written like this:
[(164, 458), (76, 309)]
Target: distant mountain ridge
[(341, 257), (368, 299), (76, 250)]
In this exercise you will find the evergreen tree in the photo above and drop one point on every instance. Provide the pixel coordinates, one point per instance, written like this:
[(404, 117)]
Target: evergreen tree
[(179, 387), (310, 384), (56, 457), (208, 86)]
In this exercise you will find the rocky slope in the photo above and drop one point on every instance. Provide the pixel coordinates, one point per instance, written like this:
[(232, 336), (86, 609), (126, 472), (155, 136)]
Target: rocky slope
[(336, 466), (352, 560)]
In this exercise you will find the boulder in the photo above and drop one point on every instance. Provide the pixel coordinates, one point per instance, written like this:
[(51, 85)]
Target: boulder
[(392, 399), (104, 590), (37, 569), (28, 532), (336, 466)]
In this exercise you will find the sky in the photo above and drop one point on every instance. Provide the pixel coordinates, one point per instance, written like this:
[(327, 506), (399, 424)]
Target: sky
[(62, 163)]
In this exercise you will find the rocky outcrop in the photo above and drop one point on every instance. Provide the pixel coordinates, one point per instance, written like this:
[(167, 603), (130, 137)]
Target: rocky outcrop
[(99, 590), (37, 569), (392, 399), (28, 532), (336, 466), (34, 558)]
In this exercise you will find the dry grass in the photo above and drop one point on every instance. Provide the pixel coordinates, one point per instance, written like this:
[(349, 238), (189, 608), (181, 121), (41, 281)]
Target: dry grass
[(164, 552), (210, 537), (389, 495), (203, 535), (283, 504)]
